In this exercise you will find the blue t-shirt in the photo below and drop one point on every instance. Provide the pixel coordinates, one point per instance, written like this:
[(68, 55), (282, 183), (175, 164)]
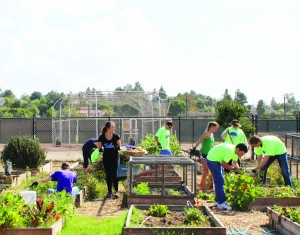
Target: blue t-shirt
[(65, 180)]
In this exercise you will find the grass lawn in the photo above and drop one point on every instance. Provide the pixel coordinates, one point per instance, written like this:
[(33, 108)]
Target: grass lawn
[(86, 225)]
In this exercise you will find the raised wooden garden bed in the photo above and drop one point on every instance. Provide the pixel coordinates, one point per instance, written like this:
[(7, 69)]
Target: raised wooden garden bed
[(14, 179), (217, 228), (282, 223), (161, 195), (170, 176), (80, 198), (53, 230), (261, 203)]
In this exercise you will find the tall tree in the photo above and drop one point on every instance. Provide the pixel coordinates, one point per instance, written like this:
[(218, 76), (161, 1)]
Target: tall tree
[(240, 97), (138, 87), (36, 95), (261, 108), (162, 94)]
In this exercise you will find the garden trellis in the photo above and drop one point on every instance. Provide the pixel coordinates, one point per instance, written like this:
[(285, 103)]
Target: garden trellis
[(77, 117)]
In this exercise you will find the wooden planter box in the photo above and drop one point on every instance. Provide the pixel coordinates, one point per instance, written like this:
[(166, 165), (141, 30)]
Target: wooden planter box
[(157, 177), (261, 203), (136, 199), (217, 229), (53, 230), (282, 224), (80, 198), (15, 179)]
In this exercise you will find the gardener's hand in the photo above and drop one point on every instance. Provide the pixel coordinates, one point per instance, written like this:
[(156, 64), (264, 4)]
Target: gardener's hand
[(254, 172), (34, 184), (159, 146)]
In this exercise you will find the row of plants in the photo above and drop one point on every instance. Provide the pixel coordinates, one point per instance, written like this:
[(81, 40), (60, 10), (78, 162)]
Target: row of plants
[(192, 217), (289, 212), (14, 213)]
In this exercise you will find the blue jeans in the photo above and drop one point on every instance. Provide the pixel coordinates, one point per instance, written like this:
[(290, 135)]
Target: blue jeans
[(165, 152), (283, 163), (75, 191), (217, 172)]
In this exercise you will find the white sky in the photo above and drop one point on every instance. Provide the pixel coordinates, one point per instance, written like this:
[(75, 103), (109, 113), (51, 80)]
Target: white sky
[(205, 46)]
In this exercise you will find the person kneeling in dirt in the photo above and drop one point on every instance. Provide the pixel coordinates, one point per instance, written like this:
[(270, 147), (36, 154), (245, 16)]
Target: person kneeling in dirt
[(65, 179), (217, 159)]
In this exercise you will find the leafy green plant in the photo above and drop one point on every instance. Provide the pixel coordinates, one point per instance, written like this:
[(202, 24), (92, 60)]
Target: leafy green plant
[(95, 188), (291, 213), (23, 152), (195, 217), (136, 217), (158, 210), (142, 189), (278, 192), (240, 190), (174, 192), (12, 208), (206, 196), (150, 145)]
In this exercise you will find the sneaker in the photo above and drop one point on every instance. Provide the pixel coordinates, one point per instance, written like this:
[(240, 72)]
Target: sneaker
[(215, 204), (224, 206), (117, 194), (109, 195)]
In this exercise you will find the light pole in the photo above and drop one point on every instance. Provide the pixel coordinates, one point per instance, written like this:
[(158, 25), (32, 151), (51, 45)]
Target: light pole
[(284, 107)]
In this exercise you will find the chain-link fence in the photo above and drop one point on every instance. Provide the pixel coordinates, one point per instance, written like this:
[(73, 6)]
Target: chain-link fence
[(78, 130)]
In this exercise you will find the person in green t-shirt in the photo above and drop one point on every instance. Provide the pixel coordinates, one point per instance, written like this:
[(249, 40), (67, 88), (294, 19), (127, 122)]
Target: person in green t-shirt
[(217, 159), (162, 138), (206, 140), (268, 149), (234, 135)]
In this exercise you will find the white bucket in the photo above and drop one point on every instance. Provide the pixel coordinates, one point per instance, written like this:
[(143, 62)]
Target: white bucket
[(28, 196)]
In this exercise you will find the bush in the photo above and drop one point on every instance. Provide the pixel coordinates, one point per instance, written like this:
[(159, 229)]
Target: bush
[(23, 152)]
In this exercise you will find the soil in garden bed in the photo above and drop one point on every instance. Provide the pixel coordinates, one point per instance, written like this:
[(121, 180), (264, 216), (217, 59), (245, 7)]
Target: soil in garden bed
[(174, 191), (173, 219)]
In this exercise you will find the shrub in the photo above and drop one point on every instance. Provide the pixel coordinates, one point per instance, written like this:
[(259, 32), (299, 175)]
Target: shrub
[(23, 152)]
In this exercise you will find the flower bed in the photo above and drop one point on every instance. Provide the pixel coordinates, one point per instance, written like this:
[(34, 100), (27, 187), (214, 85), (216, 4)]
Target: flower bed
[(261, 203), (216, 227), (282, 223), (53, 230)]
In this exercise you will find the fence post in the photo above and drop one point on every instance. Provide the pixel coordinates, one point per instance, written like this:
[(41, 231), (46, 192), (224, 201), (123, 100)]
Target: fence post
[(254, 122), (33, 127), (179, 130), (298, 122)]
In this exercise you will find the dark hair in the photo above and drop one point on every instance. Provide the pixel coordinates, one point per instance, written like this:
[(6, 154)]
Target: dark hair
[(65, 166), (210, 124), (169, 123), (107, 125), (242, 147), (254, 139)]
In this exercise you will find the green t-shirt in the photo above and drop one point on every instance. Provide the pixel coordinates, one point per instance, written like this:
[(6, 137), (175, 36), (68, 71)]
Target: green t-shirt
[(163, 136), (206, 145), (237, 136), (271, 146), (222, 152)]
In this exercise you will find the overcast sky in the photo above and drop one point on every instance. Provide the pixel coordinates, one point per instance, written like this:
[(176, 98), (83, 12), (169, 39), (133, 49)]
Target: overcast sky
[(182, 45)]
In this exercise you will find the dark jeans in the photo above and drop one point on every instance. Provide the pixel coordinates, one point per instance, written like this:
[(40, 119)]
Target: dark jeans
[(283, 163), (217, 172), (111, 164)]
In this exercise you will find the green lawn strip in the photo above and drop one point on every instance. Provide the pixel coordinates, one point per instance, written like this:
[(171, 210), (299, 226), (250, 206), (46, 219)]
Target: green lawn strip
[(86, 225)]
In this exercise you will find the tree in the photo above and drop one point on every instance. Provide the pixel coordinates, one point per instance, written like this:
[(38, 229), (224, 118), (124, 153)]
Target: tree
[(138, 87), (8, 93), (200, 103), (227, 110), (162, 94), (36, 95), (240, 97), (177, 107), (226, 95), (261, 108)]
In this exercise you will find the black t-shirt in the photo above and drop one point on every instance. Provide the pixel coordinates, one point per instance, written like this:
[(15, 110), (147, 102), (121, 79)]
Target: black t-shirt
[(110, 146)]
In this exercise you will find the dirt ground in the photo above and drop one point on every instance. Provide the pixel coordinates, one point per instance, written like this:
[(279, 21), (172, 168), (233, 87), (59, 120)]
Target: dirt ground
[(253, 222)]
